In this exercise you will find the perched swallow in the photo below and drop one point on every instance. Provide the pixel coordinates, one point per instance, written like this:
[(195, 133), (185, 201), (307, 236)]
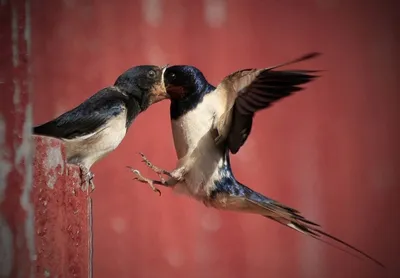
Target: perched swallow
[(98, 125), (209, 122)]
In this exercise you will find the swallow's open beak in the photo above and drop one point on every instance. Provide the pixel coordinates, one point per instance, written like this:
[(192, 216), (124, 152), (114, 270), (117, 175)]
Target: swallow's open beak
[(174, 92)]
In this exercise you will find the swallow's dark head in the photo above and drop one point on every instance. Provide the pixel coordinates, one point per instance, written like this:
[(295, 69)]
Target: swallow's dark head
[(143, 83), (182, 82)]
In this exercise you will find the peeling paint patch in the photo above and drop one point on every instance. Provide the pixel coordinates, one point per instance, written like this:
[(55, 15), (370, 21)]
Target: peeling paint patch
[(53, 160), (25, 152), (6, 250), (215, 12), (14, 28), (152, 11), (5, 165)]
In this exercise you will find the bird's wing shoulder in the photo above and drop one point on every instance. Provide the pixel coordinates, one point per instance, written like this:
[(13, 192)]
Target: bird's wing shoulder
[(86, 118), (250, 90), (228, 90)]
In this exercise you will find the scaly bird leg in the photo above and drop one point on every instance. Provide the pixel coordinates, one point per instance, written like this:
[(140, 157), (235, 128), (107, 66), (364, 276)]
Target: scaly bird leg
[(150, 182), (156, 169), (86, 177), (176, 175)]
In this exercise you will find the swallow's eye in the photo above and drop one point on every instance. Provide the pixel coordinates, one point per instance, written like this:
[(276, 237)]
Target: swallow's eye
[(151, 74), (172, 76)]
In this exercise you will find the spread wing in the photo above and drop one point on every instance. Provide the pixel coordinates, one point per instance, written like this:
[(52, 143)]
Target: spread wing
[(86, 118), (250, 90)]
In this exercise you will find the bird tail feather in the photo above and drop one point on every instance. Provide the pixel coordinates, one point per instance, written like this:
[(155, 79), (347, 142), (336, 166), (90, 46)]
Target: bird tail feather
[(254, 202)]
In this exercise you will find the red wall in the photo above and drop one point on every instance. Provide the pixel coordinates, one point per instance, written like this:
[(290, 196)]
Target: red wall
[(331, 151)]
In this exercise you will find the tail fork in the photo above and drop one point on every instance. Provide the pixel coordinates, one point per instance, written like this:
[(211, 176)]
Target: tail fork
[(252, 202)]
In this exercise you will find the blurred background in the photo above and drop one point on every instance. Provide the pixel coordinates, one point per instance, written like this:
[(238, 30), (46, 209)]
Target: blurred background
[(330, 151)]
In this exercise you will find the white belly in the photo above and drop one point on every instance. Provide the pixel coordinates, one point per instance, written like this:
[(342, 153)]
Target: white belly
[(195, 146), (93, 147)]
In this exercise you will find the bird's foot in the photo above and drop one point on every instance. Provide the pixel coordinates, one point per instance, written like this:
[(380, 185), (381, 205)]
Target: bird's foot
[(150, 182), (157, 170), (178, 174), (87, 178)]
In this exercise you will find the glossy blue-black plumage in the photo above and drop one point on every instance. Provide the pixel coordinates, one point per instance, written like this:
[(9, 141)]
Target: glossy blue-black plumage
[(90, 115), (227, 182), (196, 87), (130, 92), (229, 185)]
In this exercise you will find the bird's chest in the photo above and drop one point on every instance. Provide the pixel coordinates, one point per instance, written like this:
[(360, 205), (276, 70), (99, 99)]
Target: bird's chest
[(196, 150), (108, 139), (91, 148), (191, 129)]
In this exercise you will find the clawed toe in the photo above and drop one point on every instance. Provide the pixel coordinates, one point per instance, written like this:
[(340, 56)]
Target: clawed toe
[(86, 178), (139, 177), (156, 169)]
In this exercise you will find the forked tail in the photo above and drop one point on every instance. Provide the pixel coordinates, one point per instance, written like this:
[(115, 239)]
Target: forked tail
[(242, 198)]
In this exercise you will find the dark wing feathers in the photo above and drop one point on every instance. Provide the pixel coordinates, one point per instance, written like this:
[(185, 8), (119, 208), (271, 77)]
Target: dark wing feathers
[(269, 87), (85, 118), (239, 131), (251, 90)]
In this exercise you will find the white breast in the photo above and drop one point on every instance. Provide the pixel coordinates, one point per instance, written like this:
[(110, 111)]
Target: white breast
[(91, 148), (194, 143)]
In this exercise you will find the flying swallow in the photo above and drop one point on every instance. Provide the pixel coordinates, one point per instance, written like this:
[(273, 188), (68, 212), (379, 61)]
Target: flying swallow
[(98, 125), (210, 122)]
